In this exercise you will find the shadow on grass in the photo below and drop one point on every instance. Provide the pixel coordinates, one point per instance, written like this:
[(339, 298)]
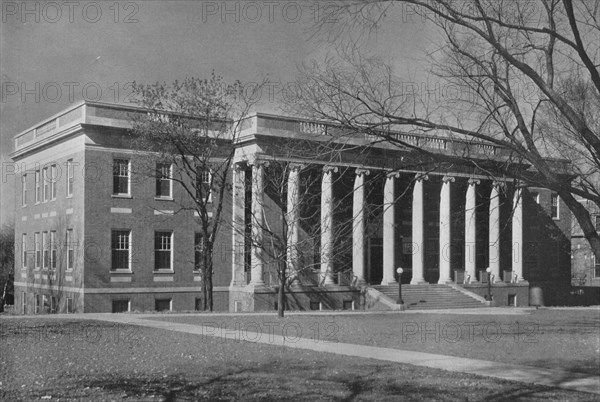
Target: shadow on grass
[(308, 381)]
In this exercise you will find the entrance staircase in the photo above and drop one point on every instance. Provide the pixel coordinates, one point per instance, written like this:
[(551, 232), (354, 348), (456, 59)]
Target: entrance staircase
[(429, 297)]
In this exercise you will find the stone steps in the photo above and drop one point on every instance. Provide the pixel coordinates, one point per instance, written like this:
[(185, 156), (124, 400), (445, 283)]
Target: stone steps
[(427, 297)]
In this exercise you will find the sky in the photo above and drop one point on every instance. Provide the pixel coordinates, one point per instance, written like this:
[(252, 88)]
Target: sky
[(56, 54)]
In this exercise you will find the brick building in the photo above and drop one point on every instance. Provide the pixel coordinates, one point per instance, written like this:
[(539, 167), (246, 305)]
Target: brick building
[(95, 233)]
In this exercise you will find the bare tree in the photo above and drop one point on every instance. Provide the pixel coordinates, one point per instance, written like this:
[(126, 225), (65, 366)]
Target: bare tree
[(7, 262), (527, 79), (190, 125)]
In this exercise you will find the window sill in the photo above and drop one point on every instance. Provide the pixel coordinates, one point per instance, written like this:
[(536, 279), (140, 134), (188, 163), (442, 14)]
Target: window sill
[(121, 271), (163, 271), (157, 198), (121, 196), (69, 196)]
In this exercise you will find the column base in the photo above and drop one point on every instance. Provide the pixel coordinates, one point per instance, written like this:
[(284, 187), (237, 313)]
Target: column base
[(419, 282), (445, 281), (387, 282)]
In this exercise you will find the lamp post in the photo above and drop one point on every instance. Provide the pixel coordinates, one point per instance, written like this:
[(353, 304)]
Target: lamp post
[(489, 273), (400, 301)]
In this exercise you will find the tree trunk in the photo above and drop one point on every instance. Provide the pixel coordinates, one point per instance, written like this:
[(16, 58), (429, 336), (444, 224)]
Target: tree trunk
[(281, 293)]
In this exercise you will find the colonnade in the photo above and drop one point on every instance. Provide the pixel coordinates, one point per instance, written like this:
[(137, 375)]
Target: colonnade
[(359, 226)]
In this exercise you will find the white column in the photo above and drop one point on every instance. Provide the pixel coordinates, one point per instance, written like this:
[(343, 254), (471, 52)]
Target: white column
[(238, 232), (358, 226), (445, 235), (293, 209), (257, 261), (471, 230), (418, 232), (389, 228), (327, 224), (517, 236), (494, 232)]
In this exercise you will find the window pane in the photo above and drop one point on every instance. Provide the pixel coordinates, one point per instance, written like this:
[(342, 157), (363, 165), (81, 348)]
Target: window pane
[(120, 245), (162, 250), (121, 176)]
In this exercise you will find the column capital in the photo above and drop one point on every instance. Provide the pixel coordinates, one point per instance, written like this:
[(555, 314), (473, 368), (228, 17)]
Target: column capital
[(297, 166), (421, 177), (238, 166), (474, 181), (499, 184), (258, 163), (329, 169), (447, 179), (390, 174), (362, 171)]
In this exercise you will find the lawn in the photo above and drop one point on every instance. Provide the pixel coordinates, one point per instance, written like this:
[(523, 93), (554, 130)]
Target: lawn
[(550, 338), (86, 360)]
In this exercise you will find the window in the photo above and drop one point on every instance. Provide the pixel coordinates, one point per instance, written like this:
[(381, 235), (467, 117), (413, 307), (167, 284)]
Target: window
[(204, 188), (38, 303), (198, 250), (554, 207), (37, 186), (70, 305), (24, 190), (24, 250), (70, 249), (70, 177), (121, 249), (52, 179), (163, 180), (120, 306), (162, 304), (46, 186), (162, 250), (53, 251), (121, 175), (24, 302), (596, 268), (198, 304), (53, 305), (46, 304), (38, 253), (45, 256)]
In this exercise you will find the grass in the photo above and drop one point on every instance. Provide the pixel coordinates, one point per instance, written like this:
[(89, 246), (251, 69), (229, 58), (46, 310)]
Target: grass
[(567, 339), (86, 360)]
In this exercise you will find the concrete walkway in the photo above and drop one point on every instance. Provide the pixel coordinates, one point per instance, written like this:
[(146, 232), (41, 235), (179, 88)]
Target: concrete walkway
[(528, 374)]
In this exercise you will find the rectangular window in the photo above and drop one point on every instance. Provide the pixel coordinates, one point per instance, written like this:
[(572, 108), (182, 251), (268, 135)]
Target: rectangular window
[(24, 250), (46, 255), (37, 186), (53, 305), (38, 303), (198, 304), (204, 178), (46, 186), (162, 250), (120, 306), (70, 249), (596, 268), (70, 305), (162, 304), (45, 304), (163, 180), (52, 179), (70, 177), (121, 249), (38, 253), (554, 207), (198, 251), (24, 303), (121, 175), (24, 190), (53, 250)]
